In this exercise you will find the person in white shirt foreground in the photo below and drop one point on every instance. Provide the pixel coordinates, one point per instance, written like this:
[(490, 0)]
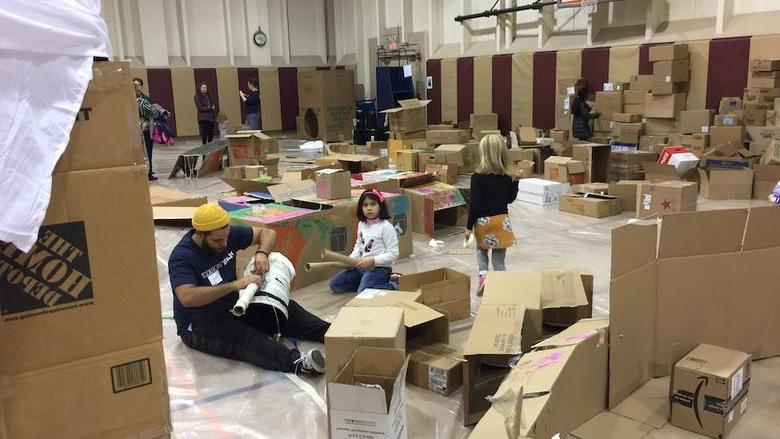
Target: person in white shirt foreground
[(376, 247)]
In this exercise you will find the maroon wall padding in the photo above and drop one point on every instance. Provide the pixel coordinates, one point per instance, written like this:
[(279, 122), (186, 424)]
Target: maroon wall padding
[(544, 89), (645, 66), (288, 95), (502, 91), (465, 88), (160, 89), (433, 69), (244, 75), (595, 67), (209, 76), (728, 69)]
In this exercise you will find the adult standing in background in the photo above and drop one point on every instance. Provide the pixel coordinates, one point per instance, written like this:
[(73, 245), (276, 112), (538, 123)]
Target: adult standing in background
[(145, 114), (582, 114), (252, 104), (206, 112)]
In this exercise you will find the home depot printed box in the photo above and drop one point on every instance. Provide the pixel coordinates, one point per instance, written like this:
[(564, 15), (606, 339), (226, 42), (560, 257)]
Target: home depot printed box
[(71, 286), (725, 374)]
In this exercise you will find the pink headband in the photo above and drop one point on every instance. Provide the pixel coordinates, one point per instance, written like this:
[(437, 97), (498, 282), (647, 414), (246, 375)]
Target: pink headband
[(378, 195)]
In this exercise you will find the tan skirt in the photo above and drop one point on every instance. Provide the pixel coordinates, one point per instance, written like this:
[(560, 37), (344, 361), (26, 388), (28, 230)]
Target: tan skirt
[(494, 232)]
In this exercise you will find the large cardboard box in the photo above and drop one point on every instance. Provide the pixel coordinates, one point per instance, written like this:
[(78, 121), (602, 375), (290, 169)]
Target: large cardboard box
[(592, 205), (437, 367), (641, 83), (726, 184), (671, 71), (709, 390), (627, 191), (482, 121), (249, 149), (608, 102), (660, 127), (664, 107), (765, 177), (668, 88), (395, 145), (722, 135), (443, 289), (444, 173), (554, 389), (526, 135), (411, 116), (729, 105), (564, 170), (326, 103), (434, 204), (540, 191), (695, 121), (765, 79), (626, 117), (270, 144), (764, 65), (760, 95), (408, 160), (118, 394), (634, 97), (369, 395), (667, 52), (440, 137), (627, 132), (333, 184), (595, 157), (655, 199), (686, 272), (381, 327)]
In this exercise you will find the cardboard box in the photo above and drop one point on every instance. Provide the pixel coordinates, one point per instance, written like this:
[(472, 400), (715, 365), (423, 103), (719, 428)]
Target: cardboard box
[(729, 105), (128, 387), (765, 177), (411, 116), (635, 108), (333, 184), (354, 163), (764, 65), (660, 127), (365, 326), (641, 83), (440, 126), (249, 149), (627, 165), (655, 199), (526, 135), (765, 80), (723, 135), (106, 132), (668, 88), (723, 377), (671, 71), (634, 97), (626, 117), (440, 137), (482, 121), (326, 104), (752, 116), (525, 168), (269, 144), (627, 191), (592, 205), (760, 95), (555, 388), (564, 170), (667, 52), (664, 107), (726, 184), (443, 173), (164, 197), (608, 102), (595, 157), (394, 145), (437, 367), (627, 132), (698, 143), (695, 121), (728, 120), (407, 160), (559, 136), (443, 289), (340, 148), (539, 191), (369, 395), (646, 143)]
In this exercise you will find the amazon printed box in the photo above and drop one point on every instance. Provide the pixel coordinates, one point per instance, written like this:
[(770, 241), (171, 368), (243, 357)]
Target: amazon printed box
[(710, 390)]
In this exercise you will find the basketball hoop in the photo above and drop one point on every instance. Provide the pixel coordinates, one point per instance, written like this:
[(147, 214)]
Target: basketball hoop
[(590, 5)]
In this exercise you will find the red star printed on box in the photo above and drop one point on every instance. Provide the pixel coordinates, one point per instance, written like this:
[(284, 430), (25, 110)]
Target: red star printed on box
[(667, 204)]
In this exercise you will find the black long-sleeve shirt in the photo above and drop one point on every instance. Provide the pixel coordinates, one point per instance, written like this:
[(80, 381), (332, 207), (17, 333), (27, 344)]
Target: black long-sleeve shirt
[(252, 102), (490, 195)]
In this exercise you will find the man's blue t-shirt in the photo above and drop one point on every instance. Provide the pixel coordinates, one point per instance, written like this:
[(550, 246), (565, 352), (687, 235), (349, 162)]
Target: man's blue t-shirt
[(193, 265)]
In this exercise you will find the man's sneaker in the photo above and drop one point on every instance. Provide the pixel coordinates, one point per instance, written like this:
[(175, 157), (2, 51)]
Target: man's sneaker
[(312, 362)]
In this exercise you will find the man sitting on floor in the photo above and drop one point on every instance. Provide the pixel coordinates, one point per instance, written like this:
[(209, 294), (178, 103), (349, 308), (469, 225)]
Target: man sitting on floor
[(202, 270)]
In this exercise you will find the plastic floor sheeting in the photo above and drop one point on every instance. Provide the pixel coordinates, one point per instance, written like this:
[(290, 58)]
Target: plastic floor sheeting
[(217, 398)]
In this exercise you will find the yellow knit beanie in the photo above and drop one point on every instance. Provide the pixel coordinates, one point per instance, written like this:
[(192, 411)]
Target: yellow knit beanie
[(209, 217)]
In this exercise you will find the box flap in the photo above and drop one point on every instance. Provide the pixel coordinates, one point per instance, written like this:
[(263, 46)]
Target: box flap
[(238, 136), (655, 172), (292, 189), (415, 313), (497, 330), (172, 213), (582, 330), (633, 246), (162, 196), (575, 167), (698, 233), (608, 425), (713, 360), (557, 160), (761, 229), (649, 404), (513, 288), (407, 104), (562, 288), (380, 322)]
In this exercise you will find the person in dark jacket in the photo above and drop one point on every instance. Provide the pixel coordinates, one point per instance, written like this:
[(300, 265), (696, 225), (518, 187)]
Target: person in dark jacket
[(206, 112), (580, 126), (145, 114), (252, 104)]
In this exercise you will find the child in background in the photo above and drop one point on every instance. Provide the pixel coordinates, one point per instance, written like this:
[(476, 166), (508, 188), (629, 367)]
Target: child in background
[(376, 247), (222, 124), (493, 188)]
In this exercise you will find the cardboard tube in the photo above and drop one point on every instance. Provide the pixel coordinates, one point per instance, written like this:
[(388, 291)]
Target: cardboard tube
[(318, 266), (244, 299), (332, 256)]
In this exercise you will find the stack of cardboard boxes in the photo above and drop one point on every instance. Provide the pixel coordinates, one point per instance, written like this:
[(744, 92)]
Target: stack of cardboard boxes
[(763, 95), (80, 332), (566, 90), (671, 72), (407, 125)]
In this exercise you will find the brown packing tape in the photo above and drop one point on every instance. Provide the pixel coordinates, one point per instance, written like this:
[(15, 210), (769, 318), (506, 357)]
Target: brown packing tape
[(699, 54), (183, 83), (449, 89), (522, 89), (483, 84), (623, 63), (270, 100)]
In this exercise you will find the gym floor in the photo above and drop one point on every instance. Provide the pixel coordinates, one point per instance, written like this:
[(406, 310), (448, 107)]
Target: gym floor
[(217, 398)]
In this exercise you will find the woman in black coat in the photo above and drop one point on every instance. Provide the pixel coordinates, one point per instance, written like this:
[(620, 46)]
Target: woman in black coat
[(206, 113), (580, 126)]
